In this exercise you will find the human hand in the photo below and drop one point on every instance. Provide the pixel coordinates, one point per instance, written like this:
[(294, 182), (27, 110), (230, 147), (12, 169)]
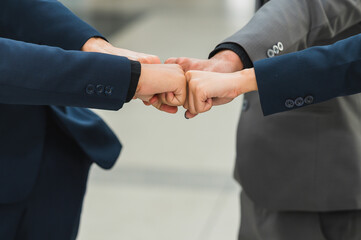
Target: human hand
[(208, 89), (223, 62), (100, 45), (164, 86)]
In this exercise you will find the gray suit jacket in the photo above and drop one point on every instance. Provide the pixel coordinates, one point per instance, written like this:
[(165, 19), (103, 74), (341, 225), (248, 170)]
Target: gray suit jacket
[(308, 159)]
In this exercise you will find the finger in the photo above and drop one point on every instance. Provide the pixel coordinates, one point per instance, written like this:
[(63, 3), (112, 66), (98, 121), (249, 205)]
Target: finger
[(168, 109), (171, 99), (202, 104), (184, 63), (208, 105), (171, 61), (191, 107), (147, 103), (165, 108), (189, 76), (153, 100), (186, 104), (162, 98), (174, 99), (154, 59), (143, 60), (189, 115)]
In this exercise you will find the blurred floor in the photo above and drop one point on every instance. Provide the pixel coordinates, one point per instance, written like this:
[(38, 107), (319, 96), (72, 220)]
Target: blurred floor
[(174, 177)]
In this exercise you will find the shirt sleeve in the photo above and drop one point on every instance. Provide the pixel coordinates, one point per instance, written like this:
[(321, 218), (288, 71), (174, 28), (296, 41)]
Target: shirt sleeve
[(136, 69), (239, 50)]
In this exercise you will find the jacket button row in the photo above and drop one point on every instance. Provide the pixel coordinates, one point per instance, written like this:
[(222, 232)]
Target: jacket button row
[(275, 50), (299, 102), (99, 89)]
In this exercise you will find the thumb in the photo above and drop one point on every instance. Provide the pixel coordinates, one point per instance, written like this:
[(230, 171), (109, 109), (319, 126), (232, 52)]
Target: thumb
[(189, 115)]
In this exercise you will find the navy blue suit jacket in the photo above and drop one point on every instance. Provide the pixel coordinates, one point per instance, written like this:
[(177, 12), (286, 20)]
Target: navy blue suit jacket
[(42, 71), (310, 76)]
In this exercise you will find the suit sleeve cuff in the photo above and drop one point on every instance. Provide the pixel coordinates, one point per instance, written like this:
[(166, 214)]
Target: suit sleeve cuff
[(239, 50), (136, 69)]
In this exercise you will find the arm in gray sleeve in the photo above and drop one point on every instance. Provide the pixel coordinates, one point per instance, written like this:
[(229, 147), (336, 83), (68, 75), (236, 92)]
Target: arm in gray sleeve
[(293, 25)]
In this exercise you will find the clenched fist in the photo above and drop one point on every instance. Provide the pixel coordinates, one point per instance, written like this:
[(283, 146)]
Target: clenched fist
[(165, 84), (208, 89), (224, 61)]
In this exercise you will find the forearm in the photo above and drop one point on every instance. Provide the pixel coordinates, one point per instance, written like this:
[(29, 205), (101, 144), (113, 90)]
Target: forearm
[(286, 82), (42, 75), (297, 24), (44, 22), (310, 76)]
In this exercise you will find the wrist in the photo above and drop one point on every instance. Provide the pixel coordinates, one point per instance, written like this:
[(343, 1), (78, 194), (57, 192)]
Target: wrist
[(229, 57), (96, 44), (134, 79), (143, 74), (247, 81)]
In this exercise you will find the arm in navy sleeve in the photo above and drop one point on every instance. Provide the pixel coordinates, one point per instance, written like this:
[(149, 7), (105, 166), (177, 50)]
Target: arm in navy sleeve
[(310, 76), (48, 22), (44, 22), (32, 74)]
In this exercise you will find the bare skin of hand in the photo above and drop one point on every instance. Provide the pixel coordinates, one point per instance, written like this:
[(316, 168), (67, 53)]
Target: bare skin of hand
[(101, 46), (167, 82), (208, 89), (224, 62)]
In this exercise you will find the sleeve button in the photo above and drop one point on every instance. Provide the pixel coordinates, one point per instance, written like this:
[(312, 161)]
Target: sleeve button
[(309, 100), (90, 89), (270, 53), (280, 46), (99, 89), (289, 103), (276, 49), (299, 102), (108, 90)]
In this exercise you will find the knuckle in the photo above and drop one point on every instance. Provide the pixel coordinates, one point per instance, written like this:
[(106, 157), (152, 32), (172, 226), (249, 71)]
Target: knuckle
[(188, 76), (169, 60), (180, 60), (179, 68), (192, 84), (183, 60), (195, 65)]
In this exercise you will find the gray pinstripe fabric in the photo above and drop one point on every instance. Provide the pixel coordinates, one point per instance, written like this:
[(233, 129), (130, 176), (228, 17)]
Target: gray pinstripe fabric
[(308, 159)]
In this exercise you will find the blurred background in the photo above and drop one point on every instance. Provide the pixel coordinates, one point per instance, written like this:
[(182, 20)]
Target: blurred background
[(174, 177)]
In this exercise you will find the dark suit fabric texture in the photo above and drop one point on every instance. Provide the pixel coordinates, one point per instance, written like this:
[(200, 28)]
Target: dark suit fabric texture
[(259, 223), (46, 81), (306, 160), (53, 206), (327, 72)]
